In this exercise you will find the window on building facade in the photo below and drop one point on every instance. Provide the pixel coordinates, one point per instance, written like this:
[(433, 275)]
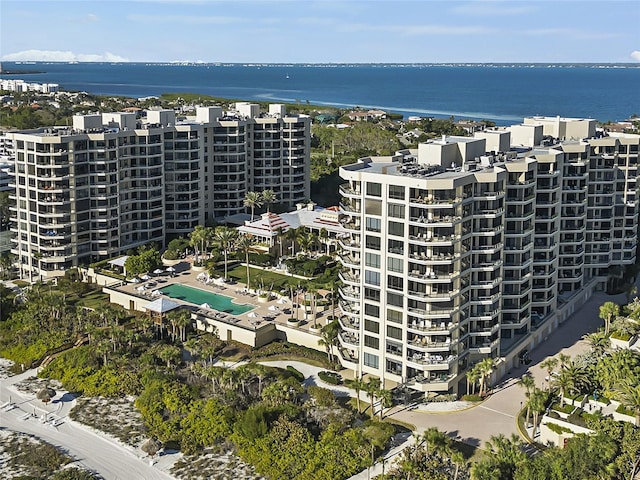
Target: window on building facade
[(371, 326), (371, 360), (371, 277), (395, 299), (395, 264), (396, 192), (372, 242), (395, 210), (372, 260), (372, 310), (373, 207), (374, 189), (396, 228), (372, 294), (394, 316), (371, 342), (373, 224), (396, 246), (394, 332)]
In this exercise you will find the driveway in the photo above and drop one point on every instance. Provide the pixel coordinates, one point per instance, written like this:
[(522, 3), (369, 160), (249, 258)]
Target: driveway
[(497, 415)]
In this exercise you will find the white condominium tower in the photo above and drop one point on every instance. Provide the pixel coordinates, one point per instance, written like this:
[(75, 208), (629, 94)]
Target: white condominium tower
[(469, 248), (113, 181)]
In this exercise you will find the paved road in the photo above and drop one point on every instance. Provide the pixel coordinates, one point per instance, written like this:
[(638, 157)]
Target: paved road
[(99, 454), (497, 414)]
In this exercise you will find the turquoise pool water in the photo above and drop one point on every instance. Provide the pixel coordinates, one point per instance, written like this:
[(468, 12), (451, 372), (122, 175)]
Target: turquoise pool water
[(196, 296)]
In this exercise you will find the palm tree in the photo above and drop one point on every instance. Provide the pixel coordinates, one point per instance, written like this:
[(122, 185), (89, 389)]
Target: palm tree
[(528, 383), (280, 236), (304, 240), (486, 368), (169, 353), (386, 400), (473, 375), (183, 320), (549, 364), (269, 197), (578, 375), (292, 236), (226, 238), (329, 337), (358, 385), (252, 200), (198, 238), (536, 402), (435, 440), (608, 311), (371, 387), (245, 244), (630, 398), (598, 342), (323, 236), (563, 383), (458, 459)]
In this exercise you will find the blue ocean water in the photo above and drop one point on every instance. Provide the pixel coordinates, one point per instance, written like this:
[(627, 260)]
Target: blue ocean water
[(502, 93)]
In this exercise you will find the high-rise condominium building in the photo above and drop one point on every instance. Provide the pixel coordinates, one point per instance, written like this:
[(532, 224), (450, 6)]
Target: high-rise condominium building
[(466, 249), (113, 182)]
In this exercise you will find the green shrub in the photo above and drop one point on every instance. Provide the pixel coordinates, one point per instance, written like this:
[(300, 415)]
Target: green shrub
[(295, 373), (170, 255), (566, 408), (553, 414), (472, 398), (322, 396), (559, 429), (576, 418), (624, 410), (332, 378)]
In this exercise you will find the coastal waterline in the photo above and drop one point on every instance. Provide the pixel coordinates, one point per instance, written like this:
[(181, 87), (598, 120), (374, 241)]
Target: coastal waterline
[(502, 93)]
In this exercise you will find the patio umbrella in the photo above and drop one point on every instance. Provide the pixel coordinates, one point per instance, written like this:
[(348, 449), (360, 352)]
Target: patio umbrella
[(205, 305), (171, 269), (155, 293), (134, 280), (253, 315), (273, 308), (145, 277), (158, 271), (140, 288), (46, 394), (282, 301)]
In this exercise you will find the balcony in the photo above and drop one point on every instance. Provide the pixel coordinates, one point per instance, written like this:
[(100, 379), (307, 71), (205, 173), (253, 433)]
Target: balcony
[(349, 261), (426, 360), (349, 340), (346, 191)]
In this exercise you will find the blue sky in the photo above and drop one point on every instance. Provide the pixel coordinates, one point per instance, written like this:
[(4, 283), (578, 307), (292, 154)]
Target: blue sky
[(321, 31)]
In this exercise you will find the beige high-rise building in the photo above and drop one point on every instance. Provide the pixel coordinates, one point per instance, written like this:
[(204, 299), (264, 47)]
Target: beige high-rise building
[(113, 182), (456, 255)]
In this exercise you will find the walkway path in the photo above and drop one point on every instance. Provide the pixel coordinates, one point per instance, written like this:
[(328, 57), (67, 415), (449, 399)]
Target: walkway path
[(98, 453)]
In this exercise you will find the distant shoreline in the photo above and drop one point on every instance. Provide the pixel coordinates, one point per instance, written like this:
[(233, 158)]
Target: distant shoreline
[(21, 72)]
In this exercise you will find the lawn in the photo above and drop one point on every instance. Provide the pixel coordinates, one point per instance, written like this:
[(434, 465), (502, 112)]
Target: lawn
[(265, 279)]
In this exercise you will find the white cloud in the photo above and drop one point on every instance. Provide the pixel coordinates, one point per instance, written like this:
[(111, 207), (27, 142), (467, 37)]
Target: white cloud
[(491, 8), (416, 30), (61, 56), (635, 55), (186, 19)]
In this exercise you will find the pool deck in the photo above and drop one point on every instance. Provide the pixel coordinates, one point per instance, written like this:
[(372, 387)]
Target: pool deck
[(260, 317)]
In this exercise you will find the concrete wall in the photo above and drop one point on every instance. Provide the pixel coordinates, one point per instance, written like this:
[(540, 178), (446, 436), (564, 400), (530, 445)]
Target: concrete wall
[(253, 337)]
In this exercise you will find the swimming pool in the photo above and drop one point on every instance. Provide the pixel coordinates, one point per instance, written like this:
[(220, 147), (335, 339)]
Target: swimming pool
[(197, 296)]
